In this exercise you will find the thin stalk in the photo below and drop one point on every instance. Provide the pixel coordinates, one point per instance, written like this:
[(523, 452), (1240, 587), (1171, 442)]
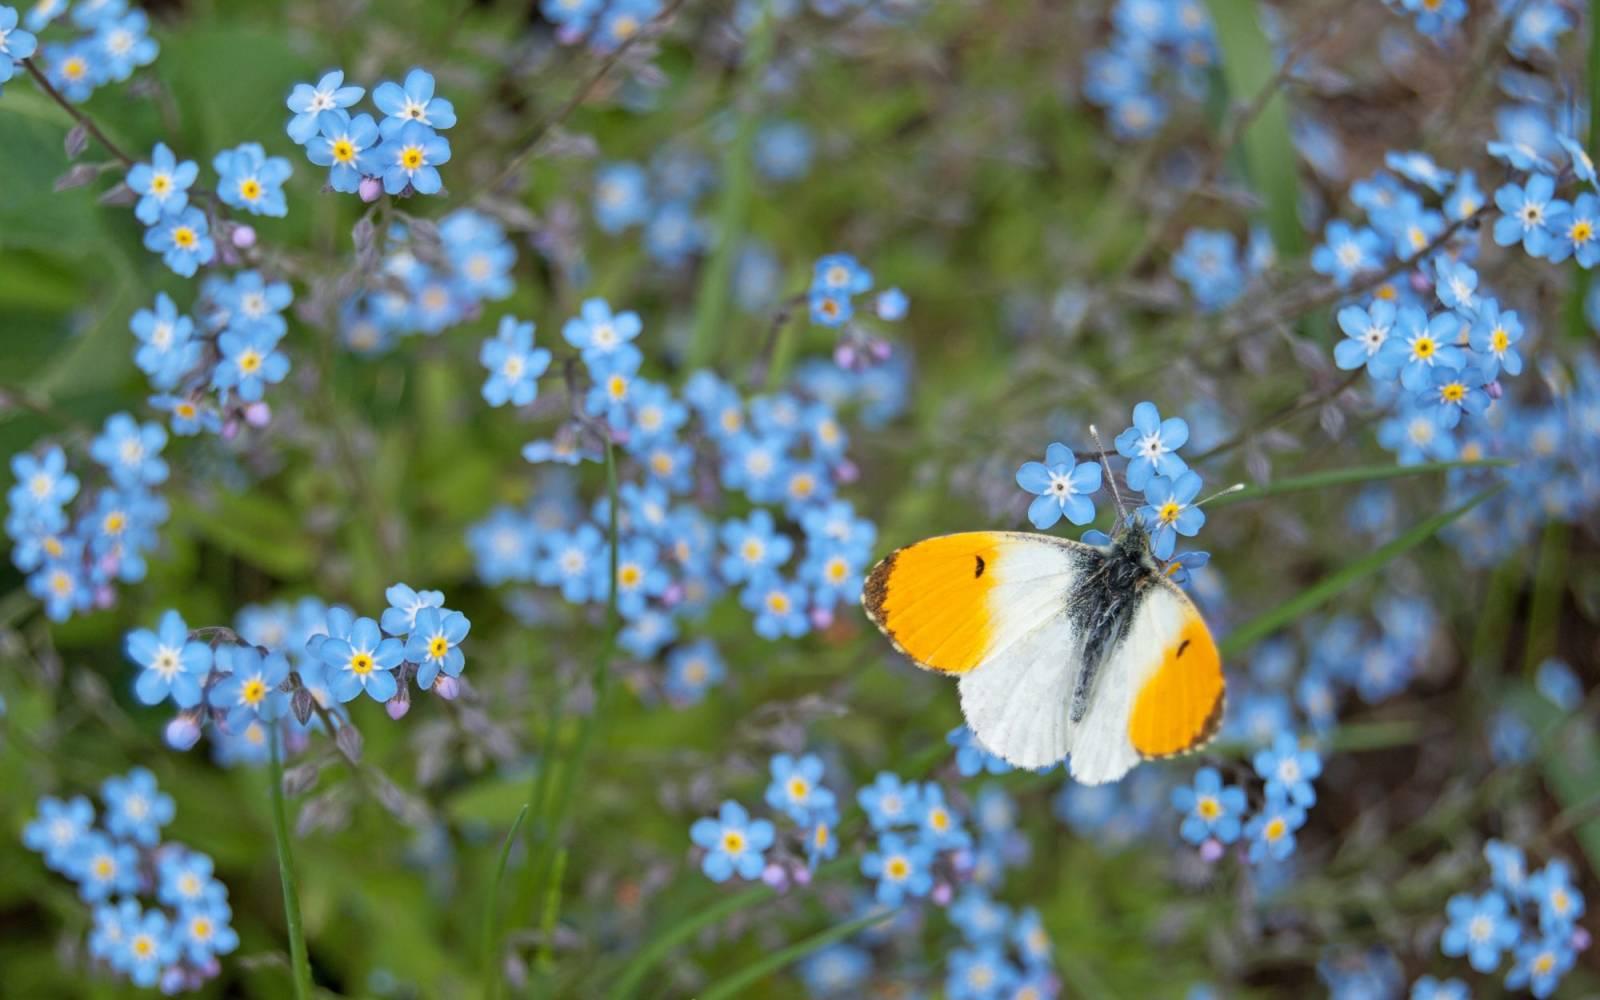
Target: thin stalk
[(491, 911), (299, 961)]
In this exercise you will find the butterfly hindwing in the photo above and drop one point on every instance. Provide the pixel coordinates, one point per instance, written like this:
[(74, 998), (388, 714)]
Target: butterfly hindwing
[(1160, 694)]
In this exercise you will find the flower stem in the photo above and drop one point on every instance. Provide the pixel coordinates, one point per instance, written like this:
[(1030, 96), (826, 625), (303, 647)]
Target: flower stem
[(78, 116), (291, 892), (491, 912)]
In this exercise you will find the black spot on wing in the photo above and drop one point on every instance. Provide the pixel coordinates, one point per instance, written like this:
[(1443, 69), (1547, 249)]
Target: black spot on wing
[(1181, 647), (979, 571)]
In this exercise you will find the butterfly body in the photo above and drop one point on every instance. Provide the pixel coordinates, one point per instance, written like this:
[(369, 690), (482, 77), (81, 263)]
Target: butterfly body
[(1060, 648)]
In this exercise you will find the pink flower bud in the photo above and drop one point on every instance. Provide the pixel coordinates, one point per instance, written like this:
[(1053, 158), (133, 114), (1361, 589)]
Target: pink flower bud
[(881, 350), (844, 356), (243, 237), (447, 687), (397, 707), (257, 414), (802, 876), (1211, 850), (821, 618), (672, 595), (370, 189), (1495, 389), (775, 876), (846, 472), (941, 894), (1581, 939), (230, 429)]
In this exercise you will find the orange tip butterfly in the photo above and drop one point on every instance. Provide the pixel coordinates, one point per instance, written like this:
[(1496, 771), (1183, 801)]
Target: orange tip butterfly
[(1063, 650)]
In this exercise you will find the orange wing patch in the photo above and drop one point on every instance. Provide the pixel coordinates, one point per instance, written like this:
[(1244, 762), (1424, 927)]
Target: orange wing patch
[(1180, 707), (932, 599)]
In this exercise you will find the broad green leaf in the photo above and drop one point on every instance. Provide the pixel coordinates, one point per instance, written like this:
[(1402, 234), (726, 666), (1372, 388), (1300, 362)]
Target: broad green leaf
[(252, 527)]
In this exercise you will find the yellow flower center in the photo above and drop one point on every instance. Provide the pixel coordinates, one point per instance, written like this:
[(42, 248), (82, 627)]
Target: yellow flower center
[(802, 485), (75, 68), (160, 184), (1499, 340), (114, 522), (1581, 231), (411, 157), (184, 238), (778, 602), (250, 189), (897, 867), (1387, 292), (250, 361), (799, 788), (343, 150), (143, 946), (733, 841), (1453, 392), (1208, 807), (361, 664), (104, 867), (253, 692), (437, 647), (1276, 828), (200, 928), (625, 26), (617, 387), (185, 410), (939, 820), (1424, 347), (1169, 511), (630, 575), (61, 582)]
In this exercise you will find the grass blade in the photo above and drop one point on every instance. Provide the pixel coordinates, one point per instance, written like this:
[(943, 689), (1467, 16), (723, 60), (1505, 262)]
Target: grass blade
[(1263, 625), (712, 303), (491, 910), (667, 941), (299, 960), (1347, 477), (735, 985)]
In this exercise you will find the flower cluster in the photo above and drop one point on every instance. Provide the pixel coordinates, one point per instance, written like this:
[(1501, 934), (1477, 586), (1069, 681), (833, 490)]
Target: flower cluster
[(1210, 264), (735, 844), (247, 179), (296, 669), (1156, 46), (663, 200), (1214, 814), (604, 26), (428, 278), (398, 155), (232, 353), (73, 561), (1532, 917), (1063, 486), (161, 917), (109, 43), (782, 453)]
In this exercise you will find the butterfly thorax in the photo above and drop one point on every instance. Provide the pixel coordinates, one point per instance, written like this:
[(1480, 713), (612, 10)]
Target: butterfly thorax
[(1105, 601)]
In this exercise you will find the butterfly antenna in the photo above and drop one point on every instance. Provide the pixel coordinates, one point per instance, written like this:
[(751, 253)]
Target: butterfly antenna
[(1235, 488), (1122, 510)]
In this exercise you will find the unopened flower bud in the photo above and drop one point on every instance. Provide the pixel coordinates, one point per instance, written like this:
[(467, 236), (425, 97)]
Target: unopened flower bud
[(243, 237), (183, 732), (447, 687), (370, 189)]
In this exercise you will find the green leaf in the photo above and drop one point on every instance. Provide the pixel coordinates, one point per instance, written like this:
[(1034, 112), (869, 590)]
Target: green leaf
[(1346, 477), (1248, 66), (734, 985), (1263, 625), (252, 527), (32, 215)]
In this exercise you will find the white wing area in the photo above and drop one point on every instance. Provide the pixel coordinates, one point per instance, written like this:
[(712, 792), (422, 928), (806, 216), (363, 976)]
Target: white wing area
[(1018, 701)]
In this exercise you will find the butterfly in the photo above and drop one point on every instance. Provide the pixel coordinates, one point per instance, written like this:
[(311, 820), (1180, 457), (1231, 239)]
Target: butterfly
[(1063, 649)]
